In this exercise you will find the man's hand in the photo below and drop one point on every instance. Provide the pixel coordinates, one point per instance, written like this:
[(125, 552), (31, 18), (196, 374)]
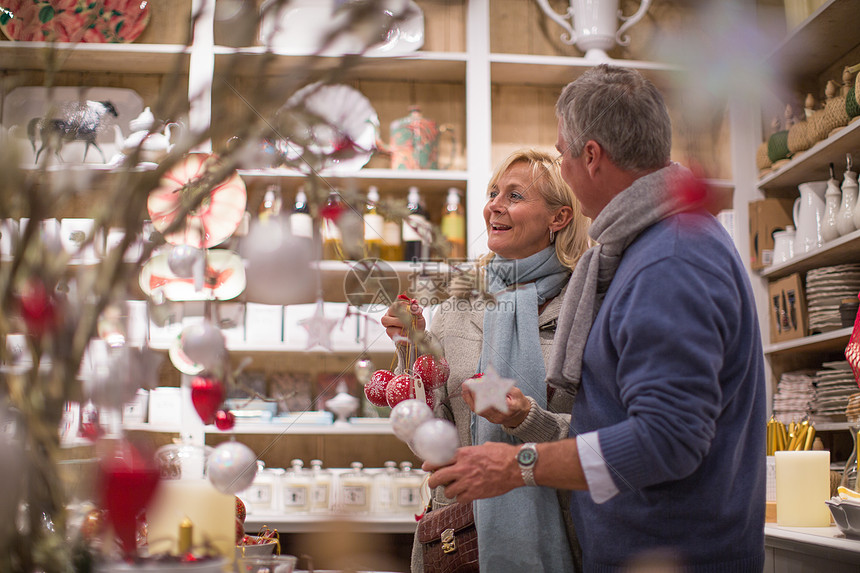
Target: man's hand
[(518, 407), (478, 472)]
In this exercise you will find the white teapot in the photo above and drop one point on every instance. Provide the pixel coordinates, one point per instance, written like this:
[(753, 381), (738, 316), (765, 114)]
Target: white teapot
[(154, 146)]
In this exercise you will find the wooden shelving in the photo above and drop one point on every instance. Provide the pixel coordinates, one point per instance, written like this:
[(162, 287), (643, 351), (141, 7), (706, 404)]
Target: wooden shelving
[(845, 249)]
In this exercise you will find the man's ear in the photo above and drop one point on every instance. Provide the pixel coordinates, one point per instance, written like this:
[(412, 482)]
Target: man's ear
[(592, 154)]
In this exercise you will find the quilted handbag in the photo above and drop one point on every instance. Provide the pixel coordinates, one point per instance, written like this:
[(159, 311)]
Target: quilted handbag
[(852, 350), (449, 539)]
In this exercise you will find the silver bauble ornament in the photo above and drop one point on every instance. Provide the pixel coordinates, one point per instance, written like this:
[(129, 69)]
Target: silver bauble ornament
[(183, 260), (204, 344), (278, 264), (436, 441), (407, 416), (364, 370), (231, 467)]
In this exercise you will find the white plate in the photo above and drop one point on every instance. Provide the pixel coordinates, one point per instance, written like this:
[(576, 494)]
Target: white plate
[(299, 28), (24, 104), (331, 114), (225, 267)]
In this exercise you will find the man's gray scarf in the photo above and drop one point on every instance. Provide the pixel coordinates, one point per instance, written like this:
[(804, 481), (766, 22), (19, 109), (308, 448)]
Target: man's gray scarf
[(647, 201)]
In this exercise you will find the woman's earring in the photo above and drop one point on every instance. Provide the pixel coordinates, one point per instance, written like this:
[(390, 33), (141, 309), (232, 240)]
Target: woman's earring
[(551, 236)]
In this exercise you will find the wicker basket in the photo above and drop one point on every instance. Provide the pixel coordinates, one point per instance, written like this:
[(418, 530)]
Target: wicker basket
[(762, 161), (798, 137)]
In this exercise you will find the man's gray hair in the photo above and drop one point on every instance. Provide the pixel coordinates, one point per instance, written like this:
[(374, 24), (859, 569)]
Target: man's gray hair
[(622, 111)]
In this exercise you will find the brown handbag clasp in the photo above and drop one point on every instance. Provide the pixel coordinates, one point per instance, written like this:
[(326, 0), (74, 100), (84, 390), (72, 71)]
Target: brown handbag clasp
[(449, 544)]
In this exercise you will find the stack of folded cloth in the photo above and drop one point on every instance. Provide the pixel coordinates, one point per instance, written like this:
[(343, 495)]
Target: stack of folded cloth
[(794, 392), (833, 387), (826, 287)]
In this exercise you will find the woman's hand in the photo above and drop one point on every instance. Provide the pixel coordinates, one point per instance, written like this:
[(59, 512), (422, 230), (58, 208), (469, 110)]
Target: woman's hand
[(518, 408), (403, 317)]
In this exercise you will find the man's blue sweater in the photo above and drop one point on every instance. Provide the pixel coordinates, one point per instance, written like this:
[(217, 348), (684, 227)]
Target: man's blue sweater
[(673, 381)]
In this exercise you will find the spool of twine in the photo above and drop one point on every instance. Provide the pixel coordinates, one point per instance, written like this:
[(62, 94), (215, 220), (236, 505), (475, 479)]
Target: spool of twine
[(798, 137), (834, 115), (762, 161), (852, 106), (777, 146)]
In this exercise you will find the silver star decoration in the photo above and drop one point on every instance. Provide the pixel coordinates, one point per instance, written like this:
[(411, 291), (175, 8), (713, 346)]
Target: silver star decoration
[(490, 390), (319, 328)]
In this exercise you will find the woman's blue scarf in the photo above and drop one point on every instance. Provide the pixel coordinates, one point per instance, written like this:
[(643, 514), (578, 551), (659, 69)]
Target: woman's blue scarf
[(522, 530)]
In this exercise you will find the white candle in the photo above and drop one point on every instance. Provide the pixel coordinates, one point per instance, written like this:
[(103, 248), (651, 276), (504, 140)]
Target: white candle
[(212, 514), (802, 487)]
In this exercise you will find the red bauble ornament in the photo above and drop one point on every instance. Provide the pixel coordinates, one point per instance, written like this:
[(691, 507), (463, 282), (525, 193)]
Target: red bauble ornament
[(240, 531), (206, 395), (90, 428), (399, 389), (128, 483), (241, 512), (430, 398), (432, 369), (224, 420), (38, 308), (375, 388)]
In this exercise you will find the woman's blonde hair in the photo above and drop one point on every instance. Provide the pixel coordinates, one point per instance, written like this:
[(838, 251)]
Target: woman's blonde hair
[(572, 241)]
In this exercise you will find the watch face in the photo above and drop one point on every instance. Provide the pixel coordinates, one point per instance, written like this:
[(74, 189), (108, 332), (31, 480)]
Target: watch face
[(526, 457)]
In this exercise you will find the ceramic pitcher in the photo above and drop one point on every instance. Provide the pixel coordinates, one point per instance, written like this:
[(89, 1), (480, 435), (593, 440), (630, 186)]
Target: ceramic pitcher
[(809, 217), (415, 142)]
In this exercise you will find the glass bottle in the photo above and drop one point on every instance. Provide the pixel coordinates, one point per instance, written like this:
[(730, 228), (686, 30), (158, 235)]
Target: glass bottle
[(374, 225), (415, 229), (271, 205), (354, 490), (392, 247), (321, 488), (383, 489), (301, 222), (407, 496), (331, 235), (296, 487), (845, 216), (454, 225)]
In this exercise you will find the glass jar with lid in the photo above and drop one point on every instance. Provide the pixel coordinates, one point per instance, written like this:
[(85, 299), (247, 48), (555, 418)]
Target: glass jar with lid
[(262, 495), (296, 489), (408, 483), (383, 489), (320, 488), (354, 490)]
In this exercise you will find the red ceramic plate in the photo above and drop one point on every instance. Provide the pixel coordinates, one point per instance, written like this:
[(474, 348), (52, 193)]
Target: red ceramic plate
[(95, 21), (214, 220)]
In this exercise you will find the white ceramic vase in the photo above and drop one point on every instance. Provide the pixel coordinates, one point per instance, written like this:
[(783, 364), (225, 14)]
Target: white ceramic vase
[(809, 216), (593, 25)]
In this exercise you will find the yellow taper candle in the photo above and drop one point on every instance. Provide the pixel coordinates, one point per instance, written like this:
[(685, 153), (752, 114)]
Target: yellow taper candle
[(212, 513), (802, 487)]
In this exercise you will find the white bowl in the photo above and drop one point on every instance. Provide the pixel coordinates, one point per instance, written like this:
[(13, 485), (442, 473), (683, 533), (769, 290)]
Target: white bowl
[(256, 550), (846, 514), (270, 564)]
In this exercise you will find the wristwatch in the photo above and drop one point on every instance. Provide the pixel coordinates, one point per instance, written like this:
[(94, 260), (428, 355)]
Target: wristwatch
[(527, 458)]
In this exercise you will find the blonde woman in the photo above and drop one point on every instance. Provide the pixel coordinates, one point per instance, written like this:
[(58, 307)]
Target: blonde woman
[(535, 232)]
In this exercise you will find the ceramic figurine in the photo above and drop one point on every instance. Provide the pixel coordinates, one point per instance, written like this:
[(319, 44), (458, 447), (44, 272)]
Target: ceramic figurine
[(415, 142), (154, 146), (832, 199), (845, 218)]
